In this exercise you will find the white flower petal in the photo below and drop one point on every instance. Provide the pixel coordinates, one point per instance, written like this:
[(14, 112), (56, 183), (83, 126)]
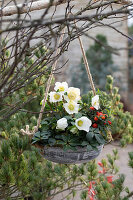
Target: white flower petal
[(62, 124), (83, 123), (95, 102), (71, 107), (62, 87), (55, 97), (73, 94)]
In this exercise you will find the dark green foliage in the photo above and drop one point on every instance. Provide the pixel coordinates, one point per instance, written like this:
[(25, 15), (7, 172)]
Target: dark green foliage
[(28, 174), (122, 122), (26, 100), (131, 159)]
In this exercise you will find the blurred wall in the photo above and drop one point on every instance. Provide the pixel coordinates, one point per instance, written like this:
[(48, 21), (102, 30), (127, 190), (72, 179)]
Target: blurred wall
[(73, 55)]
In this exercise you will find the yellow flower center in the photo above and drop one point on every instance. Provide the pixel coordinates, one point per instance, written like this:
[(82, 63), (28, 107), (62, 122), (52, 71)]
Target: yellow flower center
[(71, 107), (80, 123), (72, 95), (57, 96), (95, 103), (61, 88)]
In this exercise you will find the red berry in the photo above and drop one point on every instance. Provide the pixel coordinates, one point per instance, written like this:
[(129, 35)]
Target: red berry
[(109, 122), (99, 113), (94, 125), (103, 117), (92, 108), (95, 118), (105, 123)]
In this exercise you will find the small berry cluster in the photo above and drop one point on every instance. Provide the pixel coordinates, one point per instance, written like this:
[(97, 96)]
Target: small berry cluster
[(99, 115)]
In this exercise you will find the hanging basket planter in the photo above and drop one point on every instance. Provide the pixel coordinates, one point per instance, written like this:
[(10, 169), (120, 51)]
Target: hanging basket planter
[(73, 130), (58, 155)]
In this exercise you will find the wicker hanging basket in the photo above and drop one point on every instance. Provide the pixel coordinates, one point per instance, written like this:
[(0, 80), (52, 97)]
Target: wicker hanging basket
[(57, 155)]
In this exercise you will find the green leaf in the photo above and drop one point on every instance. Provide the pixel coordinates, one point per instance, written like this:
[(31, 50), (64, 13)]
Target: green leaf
[(44, 122), (78, 115), (65, 138), (84, 143), (58, 137), (45, 128), (46, 133), (37, 134), (51, 141), (89, 148), (99, 138), (74, 130), (68, 117), (72, 148), (66, 147), (73, 123), (74, 144), (96, 130), (89, 136), (34, 141), (95, 148), (57, 117), (61, 142), (46, 119)]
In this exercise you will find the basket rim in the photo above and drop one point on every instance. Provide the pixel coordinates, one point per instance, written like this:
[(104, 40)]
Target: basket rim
[(79, 149)]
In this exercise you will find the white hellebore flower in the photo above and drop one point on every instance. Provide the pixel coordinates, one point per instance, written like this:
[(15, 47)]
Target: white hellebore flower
[(83, 123), (73, 94), (95, 102), (62, 124), (55, 97), (71, 107), (62, 87)]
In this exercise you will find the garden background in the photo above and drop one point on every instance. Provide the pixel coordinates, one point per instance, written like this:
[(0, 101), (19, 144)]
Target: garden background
[(28, 44)]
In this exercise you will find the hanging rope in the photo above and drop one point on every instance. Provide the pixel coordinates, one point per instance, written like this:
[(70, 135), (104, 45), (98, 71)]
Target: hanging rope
[(87, 67), (86, 62)]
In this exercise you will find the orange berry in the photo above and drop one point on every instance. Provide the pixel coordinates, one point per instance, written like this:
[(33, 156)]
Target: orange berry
[(95, 118), (99, 113), (103, 117)]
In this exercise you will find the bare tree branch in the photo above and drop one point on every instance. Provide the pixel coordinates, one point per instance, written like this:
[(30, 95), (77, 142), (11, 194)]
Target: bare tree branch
[(23, 37), (23, 8)]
